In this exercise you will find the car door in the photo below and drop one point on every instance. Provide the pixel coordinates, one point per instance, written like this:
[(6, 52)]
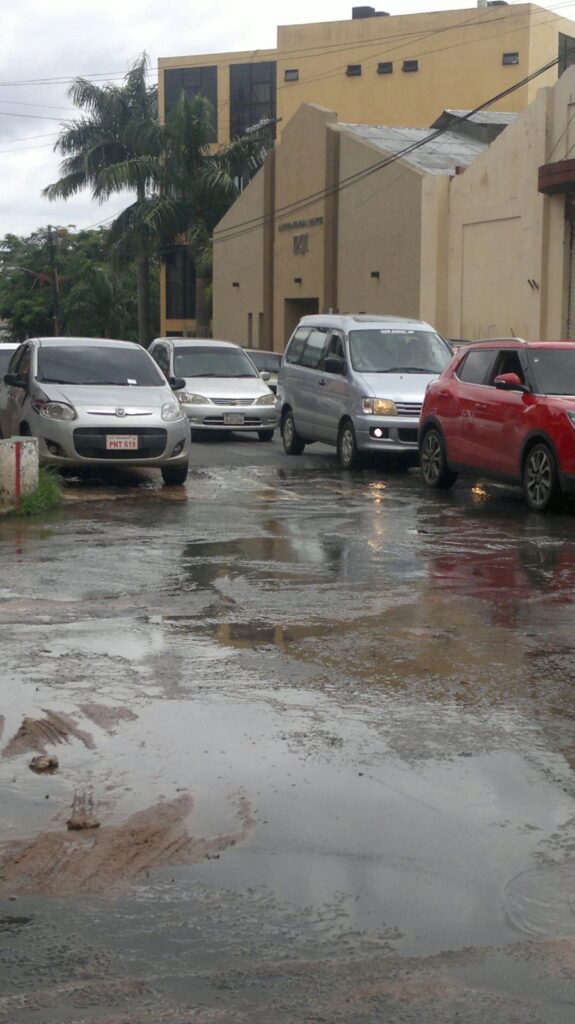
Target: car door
[(334, 387), (18, 394), (499, 421), (462, 401), (310, 398)]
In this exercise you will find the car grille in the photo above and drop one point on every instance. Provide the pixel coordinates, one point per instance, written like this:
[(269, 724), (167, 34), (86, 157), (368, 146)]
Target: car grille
[(90, 442), (408, 408), (251, 421), (232, 401)]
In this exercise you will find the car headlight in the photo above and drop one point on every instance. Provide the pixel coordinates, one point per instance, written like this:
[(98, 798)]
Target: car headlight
[(188, 398), (266, 400), (172, 411), (379, 406), (55, 410)]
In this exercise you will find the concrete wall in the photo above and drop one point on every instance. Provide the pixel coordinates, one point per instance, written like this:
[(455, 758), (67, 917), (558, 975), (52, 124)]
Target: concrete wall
[(239, 268), (379, 232)]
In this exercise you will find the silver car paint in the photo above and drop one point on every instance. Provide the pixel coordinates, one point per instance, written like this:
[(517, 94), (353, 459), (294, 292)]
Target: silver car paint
[(99, 406)]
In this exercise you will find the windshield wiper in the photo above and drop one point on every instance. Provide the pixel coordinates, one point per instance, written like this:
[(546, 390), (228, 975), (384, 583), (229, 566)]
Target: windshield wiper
[(54, 380), (404, 369)]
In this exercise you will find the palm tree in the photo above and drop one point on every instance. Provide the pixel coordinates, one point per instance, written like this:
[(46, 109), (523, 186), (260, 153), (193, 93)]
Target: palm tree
[(195, 184), (111, 149)]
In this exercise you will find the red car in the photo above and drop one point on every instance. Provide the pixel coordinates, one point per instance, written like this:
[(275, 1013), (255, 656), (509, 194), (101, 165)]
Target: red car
[(504, 409)]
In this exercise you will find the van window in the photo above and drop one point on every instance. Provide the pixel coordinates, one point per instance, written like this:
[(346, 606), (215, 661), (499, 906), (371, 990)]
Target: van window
[(314, 346), (295, 348)]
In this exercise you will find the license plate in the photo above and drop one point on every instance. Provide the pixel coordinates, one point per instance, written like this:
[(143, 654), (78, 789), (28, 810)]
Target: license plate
[(234, 419), (122, 442)]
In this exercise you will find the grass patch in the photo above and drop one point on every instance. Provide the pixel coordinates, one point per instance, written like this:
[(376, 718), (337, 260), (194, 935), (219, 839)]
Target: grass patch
[(46, 497)]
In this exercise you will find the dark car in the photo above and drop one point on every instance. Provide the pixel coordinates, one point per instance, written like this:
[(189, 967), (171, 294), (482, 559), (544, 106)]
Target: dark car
[(504, 409)]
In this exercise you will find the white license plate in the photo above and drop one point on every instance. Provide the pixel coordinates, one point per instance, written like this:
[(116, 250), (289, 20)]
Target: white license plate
[(122, 442), (234, 419)]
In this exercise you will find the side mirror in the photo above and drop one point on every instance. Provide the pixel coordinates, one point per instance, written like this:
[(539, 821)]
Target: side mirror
[(334, 364), (265, 375), (509, 382), (176, 383), (14, 381)]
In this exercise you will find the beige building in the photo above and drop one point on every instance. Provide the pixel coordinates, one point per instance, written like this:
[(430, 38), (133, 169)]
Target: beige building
[(373, 70), (477, 238)]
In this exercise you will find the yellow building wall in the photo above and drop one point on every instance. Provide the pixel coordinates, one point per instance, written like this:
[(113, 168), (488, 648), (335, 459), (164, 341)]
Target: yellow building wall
[(238, 269), (379, 232), (507, 242)]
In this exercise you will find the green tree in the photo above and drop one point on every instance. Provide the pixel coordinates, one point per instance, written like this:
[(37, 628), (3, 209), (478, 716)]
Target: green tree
[(112, 149)]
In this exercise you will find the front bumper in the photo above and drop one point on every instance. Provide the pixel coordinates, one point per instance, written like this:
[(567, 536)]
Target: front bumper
[(240, 417), (75, 443), (398, 433)]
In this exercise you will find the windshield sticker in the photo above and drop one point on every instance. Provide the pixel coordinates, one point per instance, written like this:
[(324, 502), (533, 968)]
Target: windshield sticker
[(394, 330)]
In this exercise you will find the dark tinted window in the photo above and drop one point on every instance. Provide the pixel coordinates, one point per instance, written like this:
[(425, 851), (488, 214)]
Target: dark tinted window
[(507, 361), (410, 65), (566, 52), (510, 58), (385, 67), (474, 368), (201, 81), (97, 364), (5, 357), (554, 370), (252, 95), (163, 359), (314, 346), (293, 354), (266, 361), (212, 361), (180, 285)]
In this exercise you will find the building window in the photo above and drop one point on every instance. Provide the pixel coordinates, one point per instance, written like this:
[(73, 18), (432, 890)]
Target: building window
[(353, 70), (260, 329), (252, 95), (510, 58), (410, 65), (180, 284), (385, 68), (566, 53), (250, 328), (291, 75), (201, 81)]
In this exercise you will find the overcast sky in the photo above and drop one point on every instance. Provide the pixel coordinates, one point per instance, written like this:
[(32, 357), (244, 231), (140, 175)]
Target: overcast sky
[(43, 44)]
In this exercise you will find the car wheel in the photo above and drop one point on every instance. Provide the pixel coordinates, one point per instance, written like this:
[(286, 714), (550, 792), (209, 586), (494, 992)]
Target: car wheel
[(293, 443), (434, 468), (266, 435), (540, 479), (347, 451), (174, 476)]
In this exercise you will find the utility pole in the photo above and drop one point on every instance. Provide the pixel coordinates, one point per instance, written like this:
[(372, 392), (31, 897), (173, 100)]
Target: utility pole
[(54, 281)]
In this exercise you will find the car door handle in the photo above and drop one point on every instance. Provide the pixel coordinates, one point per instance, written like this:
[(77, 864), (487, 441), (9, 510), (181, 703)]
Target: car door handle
[(321, 383)]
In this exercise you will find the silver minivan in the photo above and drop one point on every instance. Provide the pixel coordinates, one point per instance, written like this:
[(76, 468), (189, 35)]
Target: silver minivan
[(358, 382)]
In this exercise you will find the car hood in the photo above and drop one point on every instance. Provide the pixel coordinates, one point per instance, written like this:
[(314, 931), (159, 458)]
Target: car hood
[(399, 387), (96, 398), (227, 387)]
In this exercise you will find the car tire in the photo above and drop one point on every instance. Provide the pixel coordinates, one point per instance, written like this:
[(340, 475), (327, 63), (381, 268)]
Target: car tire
[(433, 461), (348, 453), (540, 479), (174, 476), (292, 442), (266, 435)]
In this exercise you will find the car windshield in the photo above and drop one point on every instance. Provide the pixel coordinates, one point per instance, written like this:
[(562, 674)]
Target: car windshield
[(5, 357), (98, 365), (266, 361), (390, 350), (554, 370), (212, 361)]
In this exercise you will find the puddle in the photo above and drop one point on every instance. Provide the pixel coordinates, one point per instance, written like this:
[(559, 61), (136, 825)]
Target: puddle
[(541, 902)]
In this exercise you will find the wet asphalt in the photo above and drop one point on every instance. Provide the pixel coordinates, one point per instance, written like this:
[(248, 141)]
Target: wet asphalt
[(381, 677)]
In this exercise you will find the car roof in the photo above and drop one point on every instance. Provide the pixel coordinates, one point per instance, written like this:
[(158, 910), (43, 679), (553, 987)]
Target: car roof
[(349, 321), (108, 342), (515, 343), (196, 342)]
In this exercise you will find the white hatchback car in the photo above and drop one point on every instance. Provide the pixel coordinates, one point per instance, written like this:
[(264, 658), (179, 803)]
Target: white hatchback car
[(95, 402), (224, 390)]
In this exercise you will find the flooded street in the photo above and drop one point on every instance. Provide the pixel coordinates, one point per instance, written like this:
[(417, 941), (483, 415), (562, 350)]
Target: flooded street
[(315, 742)]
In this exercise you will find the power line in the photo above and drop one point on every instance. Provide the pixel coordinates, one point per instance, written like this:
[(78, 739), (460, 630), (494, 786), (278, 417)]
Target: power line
[(255, 223)]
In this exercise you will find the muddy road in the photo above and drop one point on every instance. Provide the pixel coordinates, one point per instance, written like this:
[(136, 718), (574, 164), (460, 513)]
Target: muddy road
[(315, 746)]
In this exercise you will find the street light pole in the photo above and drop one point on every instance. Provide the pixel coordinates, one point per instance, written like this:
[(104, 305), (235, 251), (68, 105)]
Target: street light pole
[(54, 282)]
